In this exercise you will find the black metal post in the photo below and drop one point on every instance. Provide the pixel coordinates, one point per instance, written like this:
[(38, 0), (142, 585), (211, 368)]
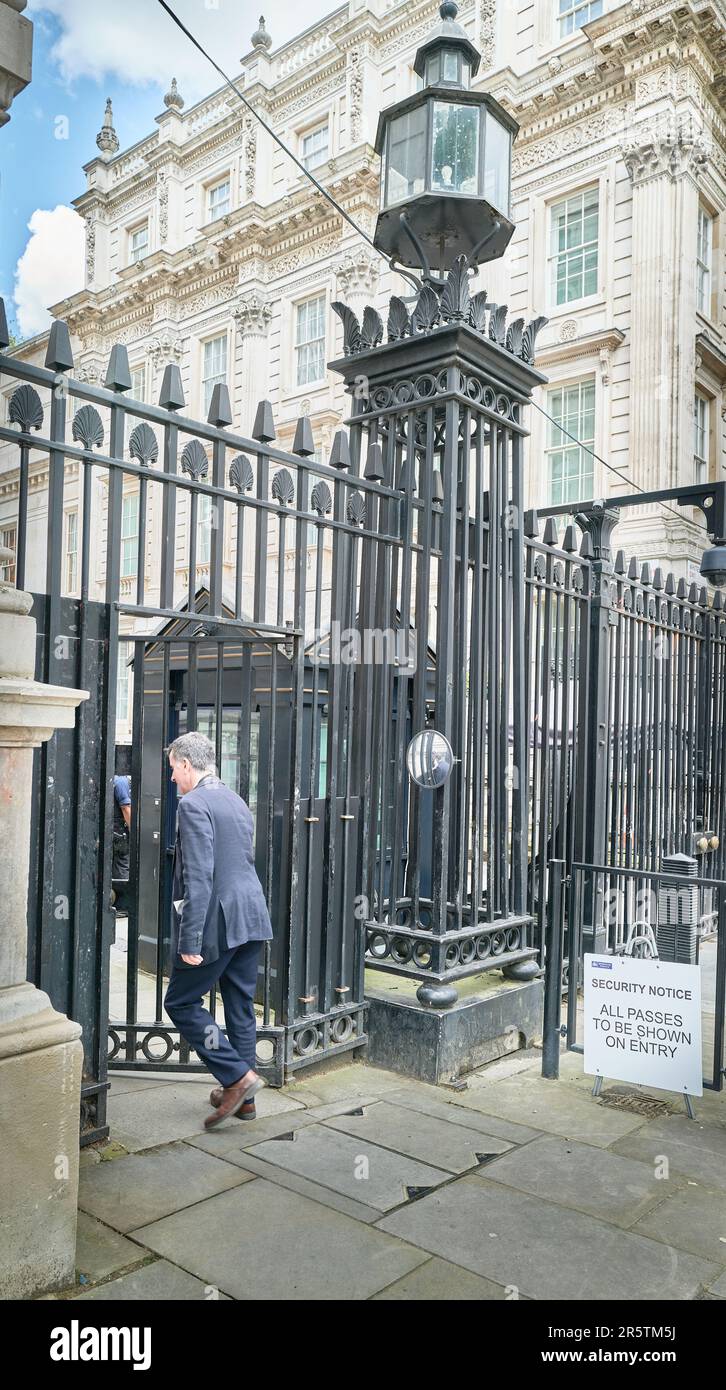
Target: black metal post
[(553, 971)]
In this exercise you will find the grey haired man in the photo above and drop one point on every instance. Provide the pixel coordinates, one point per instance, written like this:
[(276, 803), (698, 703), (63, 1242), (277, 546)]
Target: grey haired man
[(219, 919)]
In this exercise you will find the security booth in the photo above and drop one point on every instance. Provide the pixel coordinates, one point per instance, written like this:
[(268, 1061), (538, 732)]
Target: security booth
[(243, 702)]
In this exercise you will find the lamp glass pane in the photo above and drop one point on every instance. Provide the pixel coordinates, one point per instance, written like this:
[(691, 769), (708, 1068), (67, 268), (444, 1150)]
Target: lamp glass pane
[(406, 156), (432, 69), (455, 150), (451, 65), (497, 164)]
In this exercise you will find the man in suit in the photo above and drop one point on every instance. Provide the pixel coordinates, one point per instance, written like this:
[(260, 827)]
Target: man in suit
[(219, 919)]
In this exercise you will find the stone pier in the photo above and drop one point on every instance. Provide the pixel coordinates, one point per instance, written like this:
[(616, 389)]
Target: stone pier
[(40, 1050)]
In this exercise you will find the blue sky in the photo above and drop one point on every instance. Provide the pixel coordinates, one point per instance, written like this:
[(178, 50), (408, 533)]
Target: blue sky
[(84, 51)]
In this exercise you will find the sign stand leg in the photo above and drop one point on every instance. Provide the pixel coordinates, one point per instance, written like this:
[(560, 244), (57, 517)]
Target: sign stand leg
[(598, 1086), (689, 1106)]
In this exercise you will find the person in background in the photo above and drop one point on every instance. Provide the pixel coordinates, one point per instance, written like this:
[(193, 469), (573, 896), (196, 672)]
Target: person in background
[(219, 921), (121, 827)]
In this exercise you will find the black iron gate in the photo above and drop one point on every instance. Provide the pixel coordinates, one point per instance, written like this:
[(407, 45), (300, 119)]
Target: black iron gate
[(211, 592)]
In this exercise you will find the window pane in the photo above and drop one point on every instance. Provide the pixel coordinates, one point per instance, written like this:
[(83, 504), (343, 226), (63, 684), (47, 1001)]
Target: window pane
[(315, 147), (406, 155), (570, 467), (455, 154), (310, 340), (219, 200), (214, 368), (574, 229)]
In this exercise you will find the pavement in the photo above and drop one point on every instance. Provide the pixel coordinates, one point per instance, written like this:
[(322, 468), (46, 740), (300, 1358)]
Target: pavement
[(356, 1183)]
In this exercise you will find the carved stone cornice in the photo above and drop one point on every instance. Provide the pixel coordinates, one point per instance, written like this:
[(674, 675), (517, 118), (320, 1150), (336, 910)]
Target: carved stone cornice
[(252, 314)]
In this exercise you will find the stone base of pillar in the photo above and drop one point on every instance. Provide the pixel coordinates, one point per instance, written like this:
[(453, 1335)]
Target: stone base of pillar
[(491, 1018), (41, 1061)]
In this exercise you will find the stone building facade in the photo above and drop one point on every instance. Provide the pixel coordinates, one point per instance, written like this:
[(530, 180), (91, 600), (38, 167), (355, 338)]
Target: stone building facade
[(208, 247)]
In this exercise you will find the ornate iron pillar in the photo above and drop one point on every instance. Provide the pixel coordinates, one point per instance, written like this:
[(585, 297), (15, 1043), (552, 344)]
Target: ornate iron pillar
[(438, 418)]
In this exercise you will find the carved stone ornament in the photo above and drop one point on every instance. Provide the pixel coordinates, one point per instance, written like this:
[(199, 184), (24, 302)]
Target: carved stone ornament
[(487, 33), (252, 315), (250, 155), (665, 148), (165, 347), (107, 139), (90, 221), (355, 89), (357, 273), (163, 194)]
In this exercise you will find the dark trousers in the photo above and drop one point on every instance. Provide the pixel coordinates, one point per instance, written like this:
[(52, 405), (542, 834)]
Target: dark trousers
[(228, 1055)]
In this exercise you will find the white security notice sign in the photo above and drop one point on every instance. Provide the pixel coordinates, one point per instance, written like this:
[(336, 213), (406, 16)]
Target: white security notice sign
[(643, 1022)]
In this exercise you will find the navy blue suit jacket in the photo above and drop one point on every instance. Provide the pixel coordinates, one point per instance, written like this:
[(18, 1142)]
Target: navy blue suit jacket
[(214, 873)]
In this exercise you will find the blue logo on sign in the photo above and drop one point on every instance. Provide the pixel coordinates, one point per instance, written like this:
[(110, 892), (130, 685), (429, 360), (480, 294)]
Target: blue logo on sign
[(602, 965)]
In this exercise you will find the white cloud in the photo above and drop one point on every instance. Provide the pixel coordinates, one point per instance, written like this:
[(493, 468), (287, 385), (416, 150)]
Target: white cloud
[(50, 268), (138, 42)]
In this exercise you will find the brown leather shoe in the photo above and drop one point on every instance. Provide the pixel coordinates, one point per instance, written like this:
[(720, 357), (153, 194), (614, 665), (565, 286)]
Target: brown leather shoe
[(233, 1098), (247, 1112)]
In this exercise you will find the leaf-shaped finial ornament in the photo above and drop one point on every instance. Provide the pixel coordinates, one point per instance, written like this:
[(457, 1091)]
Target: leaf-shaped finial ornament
[(143, 444), (351, 328), (498, 323), (529, 337), (321, 499), (399, 323), (427, 312), (514, 336), (240, 473), (372, 330), (88, 427), (456, 297), (25, 409), (283, 488), (194, 461), (478, 311), (357, 508)]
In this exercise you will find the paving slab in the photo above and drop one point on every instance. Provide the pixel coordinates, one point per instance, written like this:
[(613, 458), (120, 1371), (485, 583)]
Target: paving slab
[(101, 1251), (335, 1160), (319, 1254), (543, 1250), (343, 1083), (439, 1281), (157, 1282), (441, 1142), (698, 1151), (548, 1105), (126, 1085), (258, 1167), (719, 1286), (235, 1136), (692, 1219), (587, 1178), (142, 1188), (463, 1111), (161, 1114)]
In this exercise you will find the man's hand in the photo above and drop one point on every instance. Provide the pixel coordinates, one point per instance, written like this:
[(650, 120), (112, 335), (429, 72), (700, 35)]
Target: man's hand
[(192, 960)]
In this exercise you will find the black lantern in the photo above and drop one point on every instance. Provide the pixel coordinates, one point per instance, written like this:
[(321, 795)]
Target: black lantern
[(446, 157)]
